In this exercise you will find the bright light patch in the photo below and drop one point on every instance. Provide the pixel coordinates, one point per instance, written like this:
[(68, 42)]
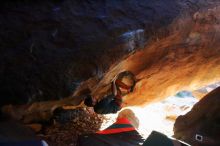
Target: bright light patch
[(158, 116), (162, 115)]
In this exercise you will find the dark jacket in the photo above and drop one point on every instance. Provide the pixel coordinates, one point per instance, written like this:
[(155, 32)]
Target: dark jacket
[(121, 133), (109, 104)]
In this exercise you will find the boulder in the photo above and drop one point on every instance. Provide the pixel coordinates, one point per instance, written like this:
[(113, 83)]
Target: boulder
[(201, 126)]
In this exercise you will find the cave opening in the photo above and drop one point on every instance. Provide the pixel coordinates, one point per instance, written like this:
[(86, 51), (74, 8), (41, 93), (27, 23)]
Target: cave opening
[(159, 116)]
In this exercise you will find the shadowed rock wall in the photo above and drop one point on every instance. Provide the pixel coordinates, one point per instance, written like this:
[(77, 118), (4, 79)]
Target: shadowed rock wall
[(203, 119), (48, 47)]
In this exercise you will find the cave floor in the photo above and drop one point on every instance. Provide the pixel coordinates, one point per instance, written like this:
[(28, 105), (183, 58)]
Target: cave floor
[(69, 124)]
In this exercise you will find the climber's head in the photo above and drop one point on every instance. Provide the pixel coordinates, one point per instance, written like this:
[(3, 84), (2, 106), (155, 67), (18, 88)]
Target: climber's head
[(125, 82), (130, 116)]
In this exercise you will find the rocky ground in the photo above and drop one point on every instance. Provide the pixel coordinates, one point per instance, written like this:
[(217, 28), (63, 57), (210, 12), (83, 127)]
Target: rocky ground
[(69, 124)]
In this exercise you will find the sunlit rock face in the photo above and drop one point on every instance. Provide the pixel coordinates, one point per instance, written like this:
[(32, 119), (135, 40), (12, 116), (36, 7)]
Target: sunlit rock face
[(200, 93), (186, 58), (48, 47), (202, 120)]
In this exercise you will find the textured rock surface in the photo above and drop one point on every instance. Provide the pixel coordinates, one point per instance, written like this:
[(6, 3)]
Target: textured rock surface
[(48, 47), (203, 119), (186, 58)]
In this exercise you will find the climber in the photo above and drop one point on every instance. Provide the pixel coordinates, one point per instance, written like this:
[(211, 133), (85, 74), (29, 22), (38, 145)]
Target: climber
[(121, 133), (122, 85)]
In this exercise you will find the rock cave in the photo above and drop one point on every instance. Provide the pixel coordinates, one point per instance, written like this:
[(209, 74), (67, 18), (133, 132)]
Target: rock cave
[(56, 53)]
